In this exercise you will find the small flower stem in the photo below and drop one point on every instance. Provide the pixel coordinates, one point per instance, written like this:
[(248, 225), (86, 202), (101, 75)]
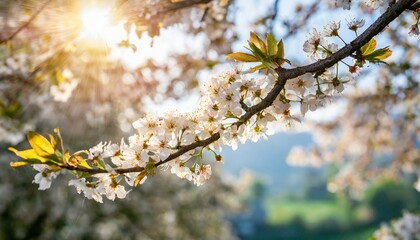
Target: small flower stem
[(338, 35), (348, 65), (336, 70), (318, 85)]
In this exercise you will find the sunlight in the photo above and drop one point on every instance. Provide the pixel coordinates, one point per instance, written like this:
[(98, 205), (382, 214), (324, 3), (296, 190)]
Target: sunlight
[(95, 22)]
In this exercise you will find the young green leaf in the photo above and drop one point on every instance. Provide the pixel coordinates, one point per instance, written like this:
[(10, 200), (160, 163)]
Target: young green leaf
[(259, 67), (53, 141), (242, 57), (256, 51), (379, 54), (18, 164), (271, 44), (59, 139), (368, 47), (25, 154), (260, 44), (40, 144), (280, 50), (140, 177), (25, 162), (77, 160)]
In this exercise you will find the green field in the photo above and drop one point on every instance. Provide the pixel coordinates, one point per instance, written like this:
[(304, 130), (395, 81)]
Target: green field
[(281, 212)]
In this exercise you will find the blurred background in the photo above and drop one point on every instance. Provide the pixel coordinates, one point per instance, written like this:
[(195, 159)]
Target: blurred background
[(91, 68)]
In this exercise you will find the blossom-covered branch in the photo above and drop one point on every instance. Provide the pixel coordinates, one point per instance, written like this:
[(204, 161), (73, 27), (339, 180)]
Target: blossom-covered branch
[(234, 108)]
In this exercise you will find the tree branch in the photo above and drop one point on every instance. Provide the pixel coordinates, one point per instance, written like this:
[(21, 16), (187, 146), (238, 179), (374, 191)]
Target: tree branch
[(415, 6), (26, 24), (283, 75), (180, 5), (168, 8)]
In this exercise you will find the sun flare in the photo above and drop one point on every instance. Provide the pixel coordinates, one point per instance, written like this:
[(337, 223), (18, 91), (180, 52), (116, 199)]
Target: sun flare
[(95, 22)]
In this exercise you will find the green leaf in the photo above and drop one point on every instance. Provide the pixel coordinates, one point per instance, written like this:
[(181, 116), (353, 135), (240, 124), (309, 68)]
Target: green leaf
[(287, 60), (30, 156), (99, 163), (379, 54), (40, 144), (53, 141), (25, 154), (59, 139), (271, 44), (256, 51), (77, 160), (368, 47), (27, 162), (259, 67), (18, 164), (140, 177), (242, 57), (260, 44), (151, 167), (280, 50), (54, 159)]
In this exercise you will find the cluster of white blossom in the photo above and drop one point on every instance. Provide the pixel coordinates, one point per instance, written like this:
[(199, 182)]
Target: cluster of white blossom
[(218, 113), (317, 46), (225, 99), (361, 140), (64, 89), (346, 4), (14, 65), (407, 227)]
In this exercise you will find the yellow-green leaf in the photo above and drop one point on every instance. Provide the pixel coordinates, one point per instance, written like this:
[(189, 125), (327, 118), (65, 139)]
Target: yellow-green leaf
[(259, 67), (77, 160), (25, 154), (242, 57), (280, 50), (24, 162), (40, 144), (258, 42), (140, 177), (52, 141), (83, 163), (256, 51), (382, 54), (368, 47), (18, 164), (59, 139), (271, 44)]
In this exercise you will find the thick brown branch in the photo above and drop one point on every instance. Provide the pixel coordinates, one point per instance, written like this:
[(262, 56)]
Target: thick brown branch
[(415, 6), (283, 75), (26, 24), (389, 15)]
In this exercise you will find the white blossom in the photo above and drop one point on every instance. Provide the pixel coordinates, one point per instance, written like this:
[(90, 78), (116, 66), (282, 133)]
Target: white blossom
[(355, 24), (202, 174), (407, 227), (375, 3), (90, 192), (45, 176), (63, 91), (314, 44), (97, 150), (331, 29)]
